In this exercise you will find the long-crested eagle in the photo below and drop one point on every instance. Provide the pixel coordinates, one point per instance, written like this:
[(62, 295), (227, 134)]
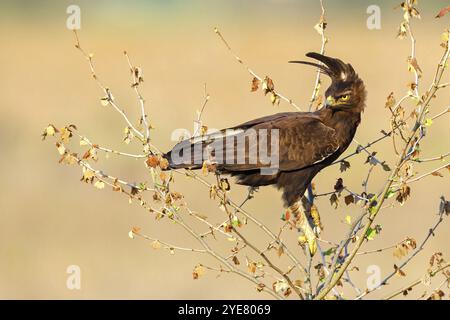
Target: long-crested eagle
[(307, 142)]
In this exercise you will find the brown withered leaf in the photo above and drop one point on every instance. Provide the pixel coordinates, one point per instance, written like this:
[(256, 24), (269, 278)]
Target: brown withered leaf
[(390, 101), (436, 259), (399, 271), (339, 186), (437, 174), (224, 184), (134, 191), (334, 200), (251, 267), (402, 30), (152, 161), (437, 295), (255, 84), (405, 292), (208, 167), (236, 260), (349, 199), (444, 206), (443, 12), (176, 196), (268, 85), (403, 194), (411, 243), (344, 165)]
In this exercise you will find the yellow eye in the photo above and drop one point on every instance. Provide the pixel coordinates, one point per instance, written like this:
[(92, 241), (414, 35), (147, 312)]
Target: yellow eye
[(345, 97)]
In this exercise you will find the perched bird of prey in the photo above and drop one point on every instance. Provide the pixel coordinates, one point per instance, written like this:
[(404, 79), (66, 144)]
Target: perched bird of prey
[(306, 142)]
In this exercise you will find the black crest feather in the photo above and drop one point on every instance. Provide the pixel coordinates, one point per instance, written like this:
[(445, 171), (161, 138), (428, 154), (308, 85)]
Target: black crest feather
[(335, 68)]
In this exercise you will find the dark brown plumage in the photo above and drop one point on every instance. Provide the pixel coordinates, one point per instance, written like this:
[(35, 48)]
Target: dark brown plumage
[(308, 141)]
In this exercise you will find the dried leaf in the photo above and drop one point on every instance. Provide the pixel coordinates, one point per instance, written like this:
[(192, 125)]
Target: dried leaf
[(334, 200), (443, 12), (428, 122), (251, 267), (268, 85), (344, 165), (156, 244), (403, 194), (444, 206), (390, 101), (164, 163), (339, 186), (399, 271), (437, 174), (61, 148), (400, 251), (66, 134), (69, 159), (50, 130), (402, 30), (152, 161), (286, 216), (199, 270), (224, 184), (255, 84), (437, 295), (99, 184), (88, 175), (349, 199)]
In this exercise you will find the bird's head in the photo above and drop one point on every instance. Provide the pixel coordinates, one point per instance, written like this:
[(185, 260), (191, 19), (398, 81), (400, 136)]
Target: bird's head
[(346, 91)]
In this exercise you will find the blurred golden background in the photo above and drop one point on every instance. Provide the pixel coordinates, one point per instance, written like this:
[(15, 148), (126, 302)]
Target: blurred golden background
[(49, 220)]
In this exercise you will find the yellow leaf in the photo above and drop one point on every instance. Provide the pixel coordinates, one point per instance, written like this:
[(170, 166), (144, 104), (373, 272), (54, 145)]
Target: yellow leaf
[(348, 219), (88, 175), (49, 131), (83, 142), (301, 239), (199, 270), (99, 184), (66, 134), (156, 244)]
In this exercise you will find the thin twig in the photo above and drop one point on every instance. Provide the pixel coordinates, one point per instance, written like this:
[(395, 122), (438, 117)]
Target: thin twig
[(249, 70)]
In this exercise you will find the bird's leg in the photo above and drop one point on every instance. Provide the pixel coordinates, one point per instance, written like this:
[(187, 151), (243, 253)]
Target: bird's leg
[(312, 211), (303, 223)]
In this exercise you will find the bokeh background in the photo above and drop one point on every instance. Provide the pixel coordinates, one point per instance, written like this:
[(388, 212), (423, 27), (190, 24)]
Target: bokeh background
[(49, 220)]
